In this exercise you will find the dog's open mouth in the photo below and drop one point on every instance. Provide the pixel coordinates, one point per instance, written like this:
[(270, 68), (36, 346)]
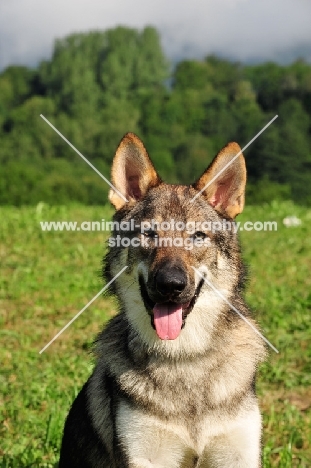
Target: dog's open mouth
[(168, 318)]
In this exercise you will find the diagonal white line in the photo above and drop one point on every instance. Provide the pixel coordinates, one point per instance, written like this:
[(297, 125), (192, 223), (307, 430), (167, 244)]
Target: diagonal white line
[(235, 309), (235, 157), (83, 157), (85, 307)]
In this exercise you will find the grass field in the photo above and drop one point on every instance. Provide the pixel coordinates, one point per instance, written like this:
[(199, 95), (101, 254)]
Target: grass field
[(47, 277)]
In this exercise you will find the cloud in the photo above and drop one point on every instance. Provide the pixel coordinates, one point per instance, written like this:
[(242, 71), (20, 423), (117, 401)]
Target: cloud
[(239, 29)]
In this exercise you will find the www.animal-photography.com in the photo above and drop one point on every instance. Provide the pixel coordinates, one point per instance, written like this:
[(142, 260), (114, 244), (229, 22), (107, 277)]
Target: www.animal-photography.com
[(155, 240)]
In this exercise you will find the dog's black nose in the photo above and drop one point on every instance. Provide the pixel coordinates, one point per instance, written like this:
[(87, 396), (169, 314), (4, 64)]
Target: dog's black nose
[(170, 281)]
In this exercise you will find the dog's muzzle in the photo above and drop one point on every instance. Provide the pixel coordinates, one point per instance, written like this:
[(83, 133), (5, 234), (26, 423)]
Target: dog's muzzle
[(169, 301)]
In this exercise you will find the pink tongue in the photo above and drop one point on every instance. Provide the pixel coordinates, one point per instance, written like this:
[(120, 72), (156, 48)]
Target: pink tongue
[(168, 320)]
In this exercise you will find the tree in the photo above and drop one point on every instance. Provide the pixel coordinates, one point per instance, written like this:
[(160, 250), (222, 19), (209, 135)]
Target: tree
[(132, 63), (100, 85)]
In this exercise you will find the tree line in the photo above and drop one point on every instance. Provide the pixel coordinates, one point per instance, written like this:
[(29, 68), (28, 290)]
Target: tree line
[(99, 85)]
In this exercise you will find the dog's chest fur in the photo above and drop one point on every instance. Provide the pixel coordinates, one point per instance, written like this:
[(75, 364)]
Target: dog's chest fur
[(190, 397), (180, 405)]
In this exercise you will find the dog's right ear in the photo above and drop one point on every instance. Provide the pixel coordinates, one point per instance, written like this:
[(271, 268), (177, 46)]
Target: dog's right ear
[(132, 172)]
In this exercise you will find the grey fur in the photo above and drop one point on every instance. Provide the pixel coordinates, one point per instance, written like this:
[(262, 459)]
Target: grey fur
[(181, 403)]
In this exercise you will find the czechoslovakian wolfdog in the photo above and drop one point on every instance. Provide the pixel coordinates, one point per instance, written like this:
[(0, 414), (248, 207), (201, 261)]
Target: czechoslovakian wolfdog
[(174, 384)]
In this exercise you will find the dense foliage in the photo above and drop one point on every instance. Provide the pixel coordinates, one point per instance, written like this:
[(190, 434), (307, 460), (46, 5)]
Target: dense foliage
[(100, 85)]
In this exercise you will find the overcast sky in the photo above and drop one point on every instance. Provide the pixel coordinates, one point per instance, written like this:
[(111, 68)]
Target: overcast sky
[(240, 29)]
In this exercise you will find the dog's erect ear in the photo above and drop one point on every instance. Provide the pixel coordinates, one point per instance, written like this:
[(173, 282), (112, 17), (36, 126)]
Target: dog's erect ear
[(132, 172), (224, 187)]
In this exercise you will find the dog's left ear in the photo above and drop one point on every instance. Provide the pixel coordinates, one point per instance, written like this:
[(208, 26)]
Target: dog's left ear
[(223, 182), (132, 172)]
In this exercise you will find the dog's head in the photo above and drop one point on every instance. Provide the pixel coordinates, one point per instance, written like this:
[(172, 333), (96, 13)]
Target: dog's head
[(175, 239)]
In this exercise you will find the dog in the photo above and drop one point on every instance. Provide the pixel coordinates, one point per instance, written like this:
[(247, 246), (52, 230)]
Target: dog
[(174, 383)]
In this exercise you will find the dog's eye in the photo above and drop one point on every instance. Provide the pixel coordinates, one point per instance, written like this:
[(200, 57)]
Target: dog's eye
[(199, 235), (150, 233)]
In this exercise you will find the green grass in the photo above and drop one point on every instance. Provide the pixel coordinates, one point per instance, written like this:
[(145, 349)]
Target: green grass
[(47, 277)]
